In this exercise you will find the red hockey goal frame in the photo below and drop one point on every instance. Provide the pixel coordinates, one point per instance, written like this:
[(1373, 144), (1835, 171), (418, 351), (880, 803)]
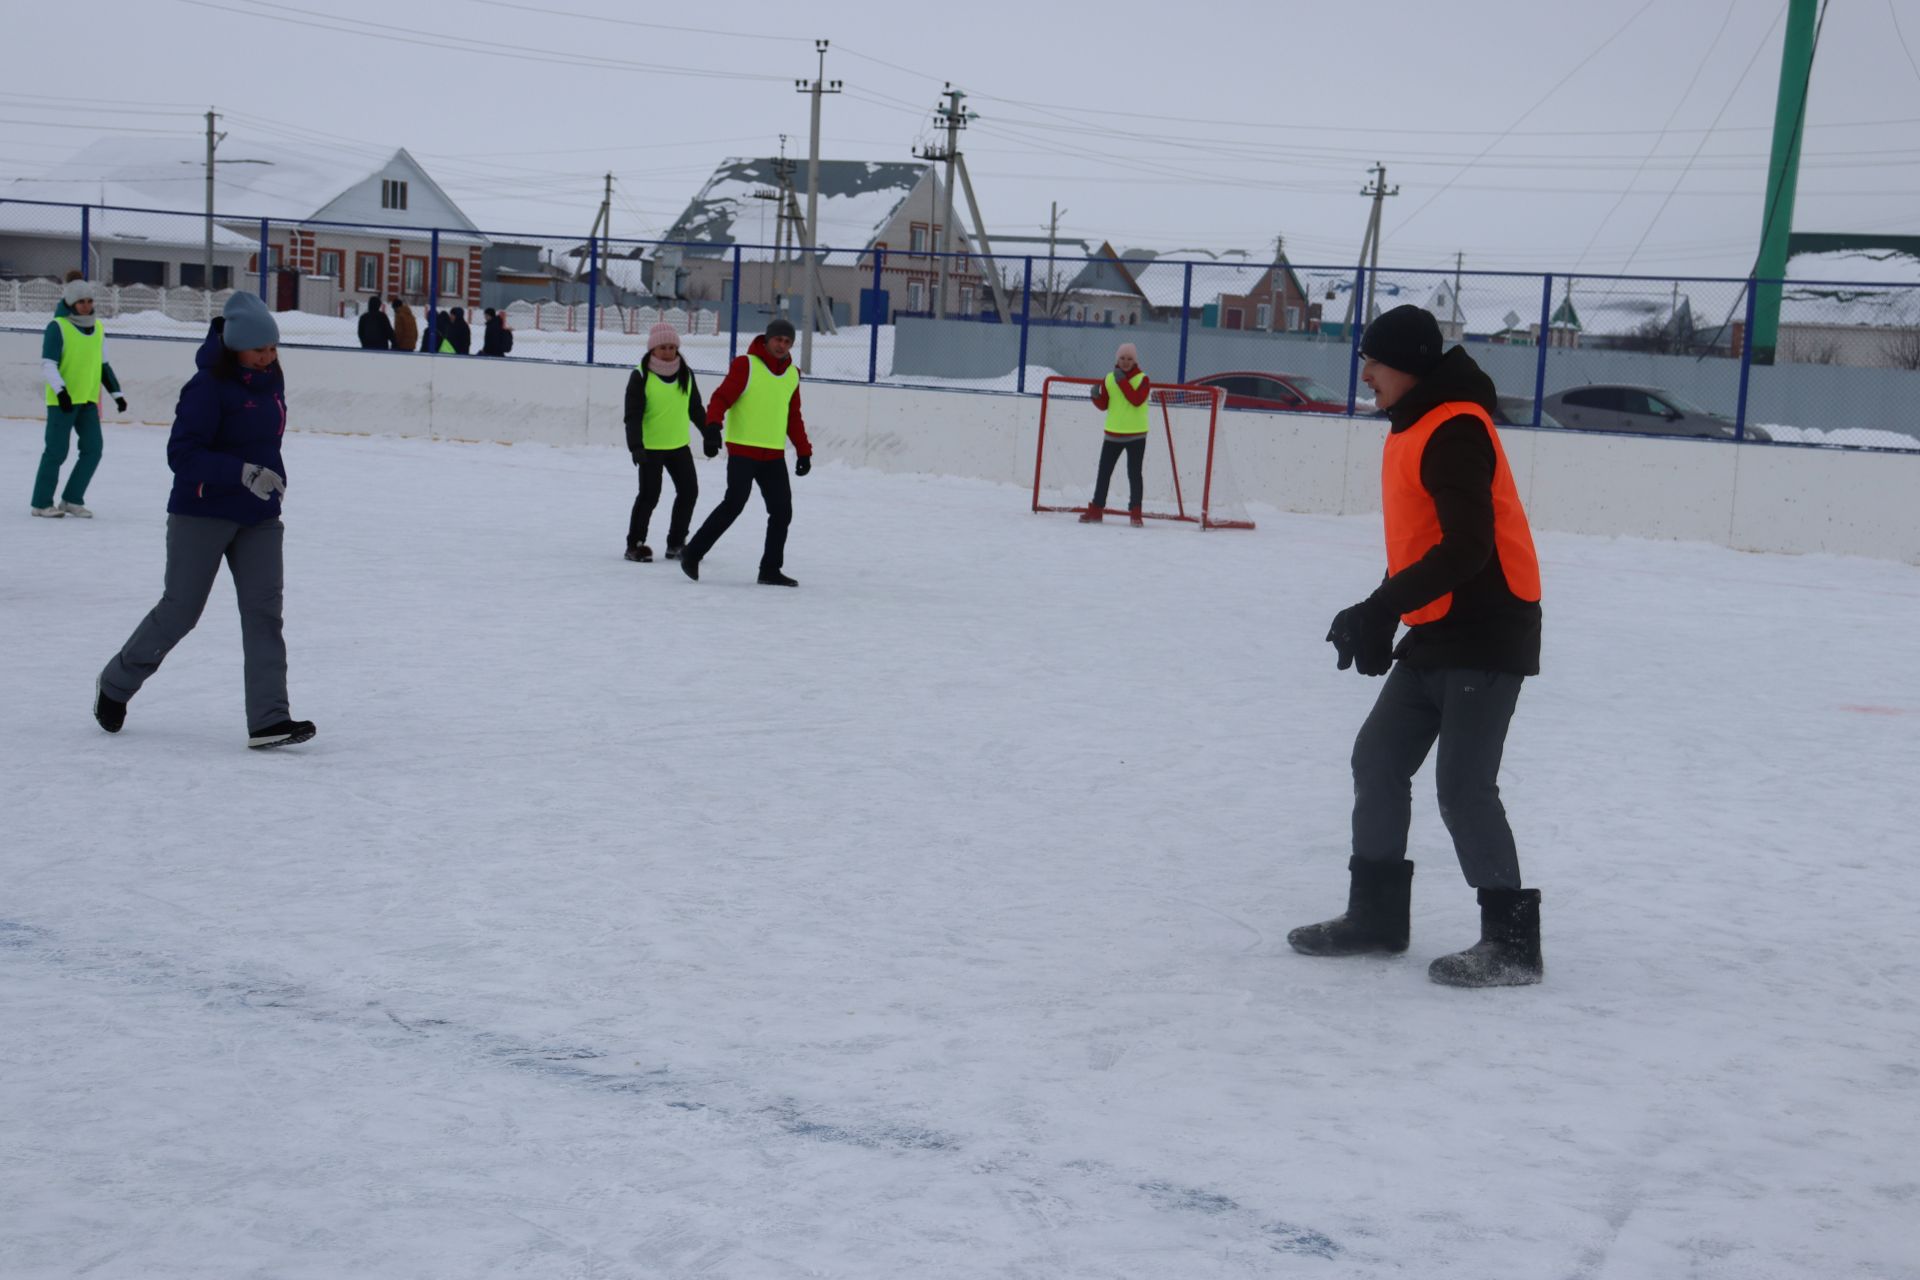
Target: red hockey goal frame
[(1175, 394)]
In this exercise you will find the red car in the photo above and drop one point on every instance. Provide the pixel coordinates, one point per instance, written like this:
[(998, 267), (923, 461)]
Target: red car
[(1292, 392)]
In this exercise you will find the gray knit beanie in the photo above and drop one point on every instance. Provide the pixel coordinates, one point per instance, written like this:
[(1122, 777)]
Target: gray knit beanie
[(78, 291), (249, 324)]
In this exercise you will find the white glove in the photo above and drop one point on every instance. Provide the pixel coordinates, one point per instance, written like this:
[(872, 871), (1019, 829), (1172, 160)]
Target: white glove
[(262, 482)]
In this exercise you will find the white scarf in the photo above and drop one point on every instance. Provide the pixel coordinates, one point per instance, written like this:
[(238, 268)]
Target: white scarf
[(668, 370)]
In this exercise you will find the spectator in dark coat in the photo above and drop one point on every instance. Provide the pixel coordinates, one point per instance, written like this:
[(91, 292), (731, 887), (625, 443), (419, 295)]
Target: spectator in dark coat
[(459, 332), (498, 339), (376, 331)]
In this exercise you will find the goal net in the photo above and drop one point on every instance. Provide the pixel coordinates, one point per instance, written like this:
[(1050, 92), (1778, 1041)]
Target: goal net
[(1187, 475)]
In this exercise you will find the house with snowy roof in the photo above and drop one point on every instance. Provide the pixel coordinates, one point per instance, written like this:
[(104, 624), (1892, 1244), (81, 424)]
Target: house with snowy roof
[(895, 206), (357, 221)]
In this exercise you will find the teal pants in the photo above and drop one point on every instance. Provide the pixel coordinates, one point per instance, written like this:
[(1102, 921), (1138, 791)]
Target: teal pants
[(61, 424)]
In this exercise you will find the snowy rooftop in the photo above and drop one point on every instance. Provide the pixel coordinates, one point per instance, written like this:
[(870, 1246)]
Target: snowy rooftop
[(1878, 287), (117, 226), (857, 200), (254, 178)]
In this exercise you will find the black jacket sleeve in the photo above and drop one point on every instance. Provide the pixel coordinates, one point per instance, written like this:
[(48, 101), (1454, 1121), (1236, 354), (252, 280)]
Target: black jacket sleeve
[(1457, 469), (636, 411)]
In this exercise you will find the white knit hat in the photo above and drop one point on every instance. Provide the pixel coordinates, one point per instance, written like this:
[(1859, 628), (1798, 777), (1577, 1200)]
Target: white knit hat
[(78, 291)]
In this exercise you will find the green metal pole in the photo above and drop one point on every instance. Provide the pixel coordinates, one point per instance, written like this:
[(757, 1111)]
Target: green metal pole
[(1783, 176)]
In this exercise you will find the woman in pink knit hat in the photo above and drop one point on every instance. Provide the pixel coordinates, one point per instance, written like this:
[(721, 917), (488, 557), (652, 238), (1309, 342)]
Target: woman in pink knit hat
[(663, 408)]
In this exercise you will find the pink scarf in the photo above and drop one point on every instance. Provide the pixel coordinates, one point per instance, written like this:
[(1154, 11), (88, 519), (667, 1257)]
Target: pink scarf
[(668, 370)]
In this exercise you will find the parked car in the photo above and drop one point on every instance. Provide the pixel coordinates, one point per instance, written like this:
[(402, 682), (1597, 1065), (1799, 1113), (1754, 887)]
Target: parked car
[(1517, 411), (1606, 406), (1510, 411), (1291, 392)]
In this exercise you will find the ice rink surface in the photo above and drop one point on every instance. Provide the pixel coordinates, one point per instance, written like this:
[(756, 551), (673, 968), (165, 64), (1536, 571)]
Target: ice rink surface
[(928, 921)]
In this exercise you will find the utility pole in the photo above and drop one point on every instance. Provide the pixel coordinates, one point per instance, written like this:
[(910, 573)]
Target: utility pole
[(808, 233), (989, 267), (955, 119), (206, 281), (603, 217), (1783, 175), (1459, 261), (1377, 192), (1053, 281)]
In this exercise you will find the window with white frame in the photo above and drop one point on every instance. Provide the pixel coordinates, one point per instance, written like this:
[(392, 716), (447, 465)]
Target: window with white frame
[(393, 193), (413, 276), (916, 296), (366, 272), (1263, 316), (332, 264), (450, 277)]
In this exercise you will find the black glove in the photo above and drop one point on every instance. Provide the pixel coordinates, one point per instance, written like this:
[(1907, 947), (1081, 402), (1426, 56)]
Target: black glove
[(120, 403), (65, 401), (803, 464), (710, 438), (1363, 636), (637, 459)]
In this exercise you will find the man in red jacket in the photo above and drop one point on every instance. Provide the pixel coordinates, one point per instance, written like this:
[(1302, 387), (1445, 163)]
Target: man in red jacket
[(760, 404)]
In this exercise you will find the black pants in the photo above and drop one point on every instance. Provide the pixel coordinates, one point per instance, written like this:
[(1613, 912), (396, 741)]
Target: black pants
[(1110, 451), (776, 489), (1468, 712), (677, 463)]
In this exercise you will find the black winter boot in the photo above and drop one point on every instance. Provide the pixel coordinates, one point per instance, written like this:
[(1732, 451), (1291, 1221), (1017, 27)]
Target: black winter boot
[(1508, 953), (1378, 900)]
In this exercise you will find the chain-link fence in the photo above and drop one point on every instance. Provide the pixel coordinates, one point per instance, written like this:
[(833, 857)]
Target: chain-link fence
[(1667, 356)]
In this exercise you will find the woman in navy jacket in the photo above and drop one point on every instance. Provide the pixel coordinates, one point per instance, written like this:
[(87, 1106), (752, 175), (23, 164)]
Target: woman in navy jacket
[(227, 482)]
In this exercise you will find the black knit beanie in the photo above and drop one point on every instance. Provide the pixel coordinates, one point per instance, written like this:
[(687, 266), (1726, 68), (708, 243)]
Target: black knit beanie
[(1405, 338), (779, 327)]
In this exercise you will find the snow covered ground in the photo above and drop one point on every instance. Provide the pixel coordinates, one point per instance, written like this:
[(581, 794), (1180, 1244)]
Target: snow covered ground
[(927, 921)]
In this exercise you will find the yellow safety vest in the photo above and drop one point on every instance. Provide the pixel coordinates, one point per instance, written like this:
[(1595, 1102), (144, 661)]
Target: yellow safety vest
[(759, 417), (446, 347), (82, 356), (1123, 417), (668, 421)]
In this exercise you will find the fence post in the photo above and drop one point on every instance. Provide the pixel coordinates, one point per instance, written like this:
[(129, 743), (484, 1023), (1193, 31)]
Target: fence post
[(265, 263), (1546, 335), (1026, 323), (86, 243), (593, 292), (433, 292), (1746, 364), (874, 318), (733, 321), (1186, 305), (1354, 325)]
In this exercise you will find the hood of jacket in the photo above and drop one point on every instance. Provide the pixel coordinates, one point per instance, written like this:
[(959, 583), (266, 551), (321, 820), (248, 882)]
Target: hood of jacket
[(209, 351), (1456, 377), (758, 347)]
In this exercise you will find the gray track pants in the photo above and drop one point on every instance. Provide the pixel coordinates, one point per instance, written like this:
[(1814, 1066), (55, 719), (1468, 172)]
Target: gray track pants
[(1468, 712), (195, 547)]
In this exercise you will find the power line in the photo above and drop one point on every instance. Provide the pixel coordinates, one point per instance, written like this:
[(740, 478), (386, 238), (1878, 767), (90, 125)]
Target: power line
[(1538, 103), (1731, 94), (1686, 93), (634, 22), (1895, 15), (489, 48)]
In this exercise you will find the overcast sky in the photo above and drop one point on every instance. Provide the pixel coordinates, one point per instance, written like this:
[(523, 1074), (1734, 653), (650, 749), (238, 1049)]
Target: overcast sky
[(1527, 134)]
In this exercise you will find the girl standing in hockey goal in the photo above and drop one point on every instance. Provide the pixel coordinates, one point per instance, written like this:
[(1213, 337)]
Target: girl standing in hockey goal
[(1123, 395)]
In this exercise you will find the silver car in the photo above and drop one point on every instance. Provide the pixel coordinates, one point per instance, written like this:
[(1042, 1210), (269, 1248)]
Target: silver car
[(1654, 411)]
